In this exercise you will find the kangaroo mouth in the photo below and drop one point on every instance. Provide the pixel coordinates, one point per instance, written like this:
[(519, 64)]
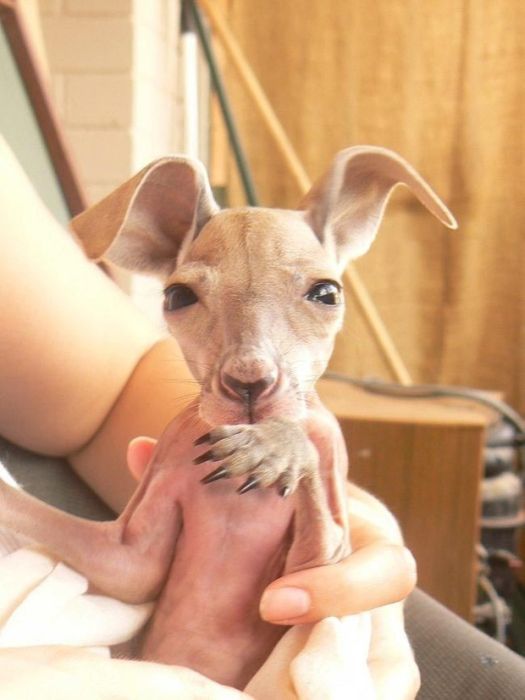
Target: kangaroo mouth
[(217, 409)]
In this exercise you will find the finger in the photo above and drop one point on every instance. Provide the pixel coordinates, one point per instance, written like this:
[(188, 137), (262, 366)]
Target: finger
[(139, 454), (375, 575), (391, 662)]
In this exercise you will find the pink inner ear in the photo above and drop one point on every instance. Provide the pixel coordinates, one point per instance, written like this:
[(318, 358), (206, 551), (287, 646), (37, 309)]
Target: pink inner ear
[(349, 201), (169, 196), (143, 223)]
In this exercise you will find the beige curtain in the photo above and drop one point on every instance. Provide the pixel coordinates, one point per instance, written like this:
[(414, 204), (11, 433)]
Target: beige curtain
[(443, 83)]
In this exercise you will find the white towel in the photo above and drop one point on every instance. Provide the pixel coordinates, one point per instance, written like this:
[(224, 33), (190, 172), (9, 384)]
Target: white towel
[(323, 661), (44, 602)]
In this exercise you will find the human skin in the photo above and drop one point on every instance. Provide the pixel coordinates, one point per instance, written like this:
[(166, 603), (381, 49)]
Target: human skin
[(73, 346), (205, 552)]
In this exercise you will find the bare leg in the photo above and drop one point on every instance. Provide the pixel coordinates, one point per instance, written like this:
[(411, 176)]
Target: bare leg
[(318, 538), (321, 520), (127, 558)]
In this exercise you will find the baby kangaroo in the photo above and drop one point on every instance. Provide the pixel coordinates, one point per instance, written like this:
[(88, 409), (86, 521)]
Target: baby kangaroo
[(248, 484)]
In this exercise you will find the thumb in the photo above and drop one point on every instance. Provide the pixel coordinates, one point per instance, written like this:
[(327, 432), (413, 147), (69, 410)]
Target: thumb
[(139, 454)]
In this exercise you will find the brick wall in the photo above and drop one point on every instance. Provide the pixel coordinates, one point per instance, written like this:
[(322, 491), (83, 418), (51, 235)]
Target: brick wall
[(113, 77)]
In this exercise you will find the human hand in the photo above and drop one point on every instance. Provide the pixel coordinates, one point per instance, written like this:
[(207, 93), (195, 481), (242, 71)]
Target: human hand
[(59, 673), (377, 576)]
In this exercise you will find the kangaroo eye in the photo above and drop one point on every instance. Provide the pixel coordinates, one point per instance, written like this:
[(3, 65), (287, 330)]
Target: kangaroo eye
[(178, 296), (326, 292)]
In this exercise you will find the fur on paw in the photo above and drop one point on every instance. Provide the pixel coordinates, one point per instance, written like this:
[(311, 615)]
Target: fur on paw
[(275, 451)]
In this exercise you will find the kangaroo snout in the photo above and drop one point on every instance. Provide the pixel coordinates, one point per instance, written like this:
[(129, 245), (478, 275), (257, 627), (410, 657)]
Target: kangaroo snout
[(248, 376)]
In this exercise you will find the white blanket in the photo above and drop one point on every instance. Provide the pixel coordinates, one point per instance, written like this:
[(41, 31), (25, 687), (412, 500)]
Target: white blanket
[(45, 602)]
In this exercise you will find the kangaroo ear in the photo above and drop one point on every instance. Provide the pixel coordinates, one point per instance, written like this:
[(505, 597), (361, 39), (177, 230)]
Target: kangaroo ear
[(145, 223), (346, 206)]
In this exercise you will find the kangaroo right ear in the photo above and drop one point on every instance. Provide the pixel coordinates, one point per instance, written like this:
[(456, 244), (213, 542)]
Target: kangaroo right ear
[(346, 206), (144, 224)]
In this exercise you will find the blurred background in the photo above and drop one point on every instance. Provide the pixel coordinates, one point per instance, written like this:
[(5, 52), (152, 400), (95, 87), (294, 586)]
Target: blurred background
[(440, 82)]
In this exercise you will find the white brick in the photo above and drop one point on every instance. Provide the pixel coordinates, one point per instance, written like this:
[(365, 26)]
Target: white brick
[(151, 13), (99, 7), (103, 155), (113, 64), (99, 100), (89, 45), (153, 123)]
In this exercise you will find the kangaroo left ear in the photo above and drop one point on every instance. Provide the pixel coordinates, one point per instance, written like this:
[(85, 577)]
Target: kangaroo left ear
[(146, 222), (346, 206)]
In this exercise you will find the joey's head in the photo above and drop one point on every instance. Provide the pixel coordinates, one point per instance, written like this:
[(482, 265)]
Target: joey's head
[(253, 295), (255, 305)]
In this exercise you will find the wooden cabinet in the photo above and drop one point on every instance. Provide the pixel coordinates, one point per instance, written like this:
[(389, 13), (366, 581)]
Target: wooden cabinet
[(423, 459)]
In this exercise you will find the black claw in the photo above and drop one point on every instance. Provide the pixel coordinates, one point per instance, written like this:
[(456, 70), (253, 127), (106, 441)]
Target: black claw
[(218, 473), (249, 484), (285, 491), (205, 457), (203, 438)]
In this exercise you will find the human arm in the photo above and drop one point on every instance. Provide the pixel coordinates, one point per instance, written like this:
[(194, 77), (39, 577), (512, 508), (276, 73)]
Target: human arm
[(82, 371)]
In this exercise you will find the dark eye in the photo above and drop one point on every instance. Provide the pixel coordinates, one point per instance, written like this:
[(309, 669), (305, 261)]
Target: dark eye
[(325, 293), (177, 296)]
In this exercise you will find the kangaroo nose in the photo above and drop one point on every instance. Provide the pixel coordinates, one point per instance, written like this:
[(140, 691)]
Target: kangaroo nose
[(248, 391)]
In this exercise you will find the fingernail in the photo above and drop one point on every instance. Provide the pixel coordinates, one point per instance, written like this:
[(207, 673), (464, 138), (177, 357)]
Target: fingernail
[(284, 603)]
